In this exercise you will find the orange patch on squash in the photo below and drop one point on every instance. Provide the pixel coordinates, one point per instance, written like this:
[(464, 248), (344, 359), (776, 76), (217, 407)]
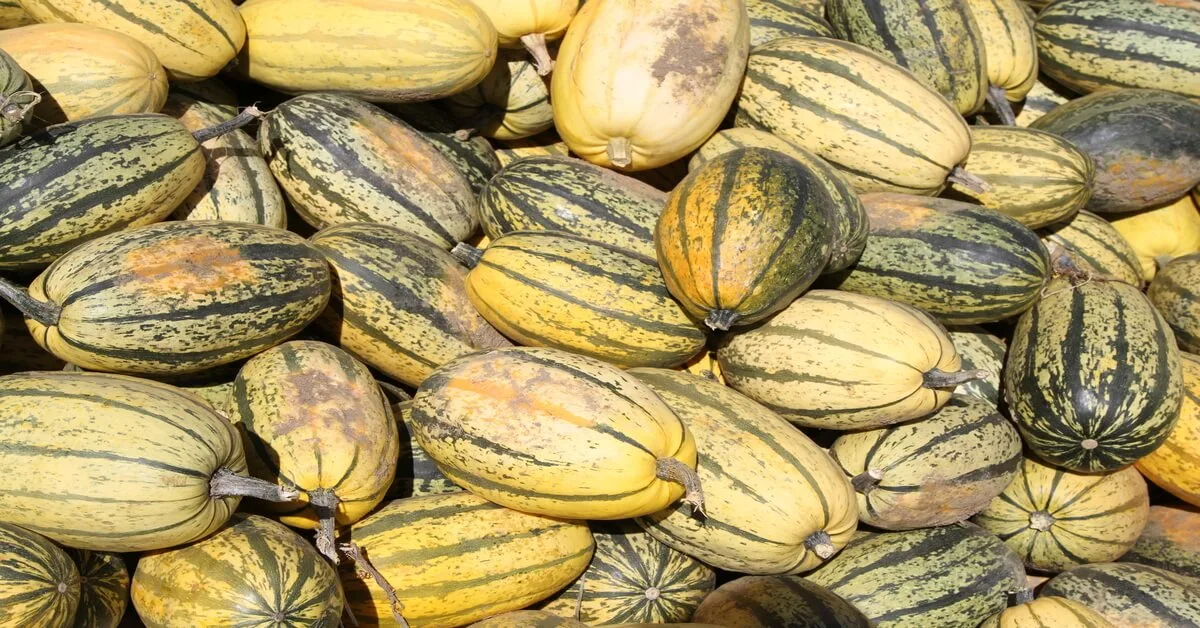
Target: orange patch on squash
[(188, 265), (519, 402)]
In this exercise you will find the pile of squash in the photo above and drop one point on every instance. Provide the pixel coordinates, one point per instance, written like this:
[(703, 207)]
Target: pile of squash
[(517, 313)]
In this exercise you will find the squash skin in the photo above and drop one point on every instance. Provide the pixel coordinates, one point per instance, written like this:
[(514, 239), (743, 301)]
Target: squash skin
[(773, 601), (13, 16), (104, 589), (510, 103), (1042, 98), (1058, 611), (39, 585), (980, 350), (1175, 466), (1162, 233), (514, 19), (1170, 541), (1172, 293), (1009, 45), (16, 92), (1128, 594), (772, 19)]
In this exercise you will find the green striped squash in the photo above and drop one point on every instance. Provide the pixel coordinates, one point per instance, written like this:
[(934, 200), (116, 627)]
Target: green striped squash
[(558, 193), (400, 302), (237, 184), (633, 579), (1033, 176), (956, 575), (744, 235), (457, 558), (13, 16), (214, 385), (1174, 294), (772, 19), (474, 156), (980, 350), (1045, 95), (1116, 372), (777, 602), (935, 471), (528, 619), (554, 289), (1090, 45), (104, 589), (1169, 541), (17, 98), (512, 101), (962, 263), (1056, 519), (1129, 594), (903, 136), (1145, 144), (252, 572), (847, 220), (774, 501), (39, 585), (73, 182), (341, 160), (938, 41), (1047, 611), (1096, 246), (1010, 48), (417, 474), (541, 145), (175, 297)]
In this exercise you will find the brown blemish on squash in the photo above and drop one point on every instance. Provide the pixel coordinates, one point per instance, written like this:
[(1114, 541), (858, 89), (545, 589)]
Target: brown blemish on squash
[(188, 265), (898, 217), (1178, 525), (312, 398), (688, 53)]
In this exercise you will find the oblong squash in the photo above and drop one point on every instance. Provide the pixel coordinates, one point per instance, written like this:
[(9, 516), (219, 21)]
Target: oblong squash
[(1047, 611), (528, 619), (980, 350), (1094, 245), (1169, 541), (530, 24), (541, 145), (653, 81), (474, 156), (777, 602), (1174, 297), (772, 19), (104, 588), (1160, 234), (511, 102), (594, 442), (1010, 47), (17, 98), (1175, 465), (13, 16), (1045, 95), (1128, 594), (39, 585)]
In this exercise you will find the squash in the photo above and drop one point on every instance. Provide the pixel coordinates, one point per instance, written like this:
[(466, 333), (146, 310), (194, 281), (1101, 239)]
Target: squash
[(772, 19), (705, 365), (528, 619), (1128, 594), (541, 145), (1173, 297), (211, 91), (530, 24), (1169, 541), (594, 442), (980, 350), (1093, 245), (1010, 49), (512, 102), (1175, 465), (416, 474), (104, 588), (17, 98), (39, 585), (474, 156), (1161, 234), (1047, 611), (653, 80), (777, 602), (13, 16)]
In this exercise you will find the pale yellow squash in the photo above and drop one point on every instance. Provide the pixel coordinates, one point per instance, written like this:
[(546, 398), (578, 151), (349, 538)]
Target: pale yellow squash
[(530, 23), (1161, 234), (1059, 612), (1010, 47), (1175, 466), (512, 102)]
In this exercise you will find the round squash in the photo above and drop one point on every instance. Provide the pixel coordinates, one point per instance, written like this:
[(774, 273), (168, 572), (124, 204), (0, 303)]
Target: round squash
[(512, 102), (1172, 294), (1170, 541), (1047, 611), (416, 474), (1010, 47), (980, 351), (1128, 594), (39, 585), (1161, 234), (530, 23), (772, 19), (1094, 245), (1175, 466), (653, 80), (104, 589), (17, 98), (777, 602)]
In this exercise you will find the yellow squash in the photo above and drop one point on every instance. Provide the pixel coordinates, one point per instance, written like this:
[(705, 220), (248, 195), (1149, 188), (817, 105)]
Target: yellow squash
[(13, 16), (528, 619), (1011, 51), (512, 102), (530, 23), (639, 85), (1175, 466), (1161, 234), (1059, 612)]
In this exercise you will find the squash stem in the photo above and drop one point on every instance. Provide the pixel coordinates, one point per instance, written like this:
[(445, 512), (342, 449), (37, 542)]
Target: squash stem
[(325, 503), (721, 320), (820, 544), (961, 177), (535, 43), (941, 379), (366, 570), (394, 391), (17, 105), (44, 312), (468, 255), (1025, 595), (998, 99), (226, 483), (867, 480), (619, 152), (672, 470), (1162, 260), (1040, 520), (248, 115)]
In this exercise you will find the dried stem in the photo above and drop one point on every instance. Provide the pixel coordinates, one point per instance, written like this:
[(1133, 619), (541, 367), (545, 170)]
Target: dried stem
[(325, 503), (967, 180), (44, 312), (468, 255), (366, 570), (673, 470), (619, 152), (998, 99), (941, 379), (17, 105), (248, 115), (867, 480), (721, 320), (535, 43), (820, 544), (226, 483)]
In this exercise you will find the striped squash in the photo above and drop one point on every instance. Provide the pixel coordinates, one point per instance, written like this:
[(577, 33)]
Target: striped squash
[(980, 350), (457, 558), (12, 15), (313, 418), (1169, 541), (39, 585), (633, 578), (904, 137), (237, 183), (378, 50), (215, 385), (956, 575), (744, 235), (400, 303), (530, 24), (772, 19), (1128, 594), (528, 619), (252, 572), (211, 91), (1056, 519), (85, 71), (1094, 245), (473, 156), (416, 474), (193, 40), (1090, 45), (1033, 176), (558, 193), (777, 602), (641, 85), (935, 471), (511, 102), (848, 219), (555, 289), (774, 501), (962, 263), (79, 180), (1175, 466), (1161, 234), (541, 145), (1117, 374), (104, 588), (341, 160), (1174, 297), (595, 443), (175, 297), (1010, 47), (843, 361), (1145, 144), (1045, 95), (1047, 611), (904, 31), (17, 98)]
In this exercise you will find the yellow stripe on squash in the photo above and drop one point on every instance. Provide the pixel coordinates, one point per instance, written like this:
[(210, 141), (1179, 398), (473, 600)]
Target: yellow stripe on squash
[(1059, 612), (1175, 466)]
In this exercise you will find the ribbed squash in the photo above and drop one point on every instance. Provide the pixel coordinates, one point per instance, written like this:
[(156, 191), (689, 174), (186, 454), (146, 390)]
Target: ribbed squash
[(1172, 294), (175, 297), (1170, 541), (474, 156), (1161, 234), (85, 71), (772, 19), (1090, 45), (193, 40), (962, 263), (1033, 176), (1047, 611), (254, 571), (1117, 380), (378, 50), (847, 220), (103, 591), (554, 193), (530, 24), (653, 80), (774, 502), (416, 474), (528, 619), (936, 471), (904, 137), (744, 235), (511, 102), (17, 98), (1175, 466), (541, 145), (400, 302), (1128, 594), (1044, 96), (341, 160), (13, 16), (980, 351), (457, 558), (777, 602), (594, 443), (633, 578), (39, 585), (554, 289), (1094, 245), (1010, 48), (1145, 144), (1056, 519)]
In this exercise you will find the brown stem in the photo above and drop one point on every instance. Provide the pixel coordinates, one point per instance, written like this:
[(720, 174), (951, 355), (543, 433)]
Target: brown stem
[(961, 177), (1040, 520), (672, 470), (468, 255), (721, 320), (366, 570), (44, 312), (619, 152), (941, 379), (820, 544), (535, 43), (248, 115), (579, 598), (13, 110), (867, 480), (395, 391), (998, 99), (226, 483), (325, 503)]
